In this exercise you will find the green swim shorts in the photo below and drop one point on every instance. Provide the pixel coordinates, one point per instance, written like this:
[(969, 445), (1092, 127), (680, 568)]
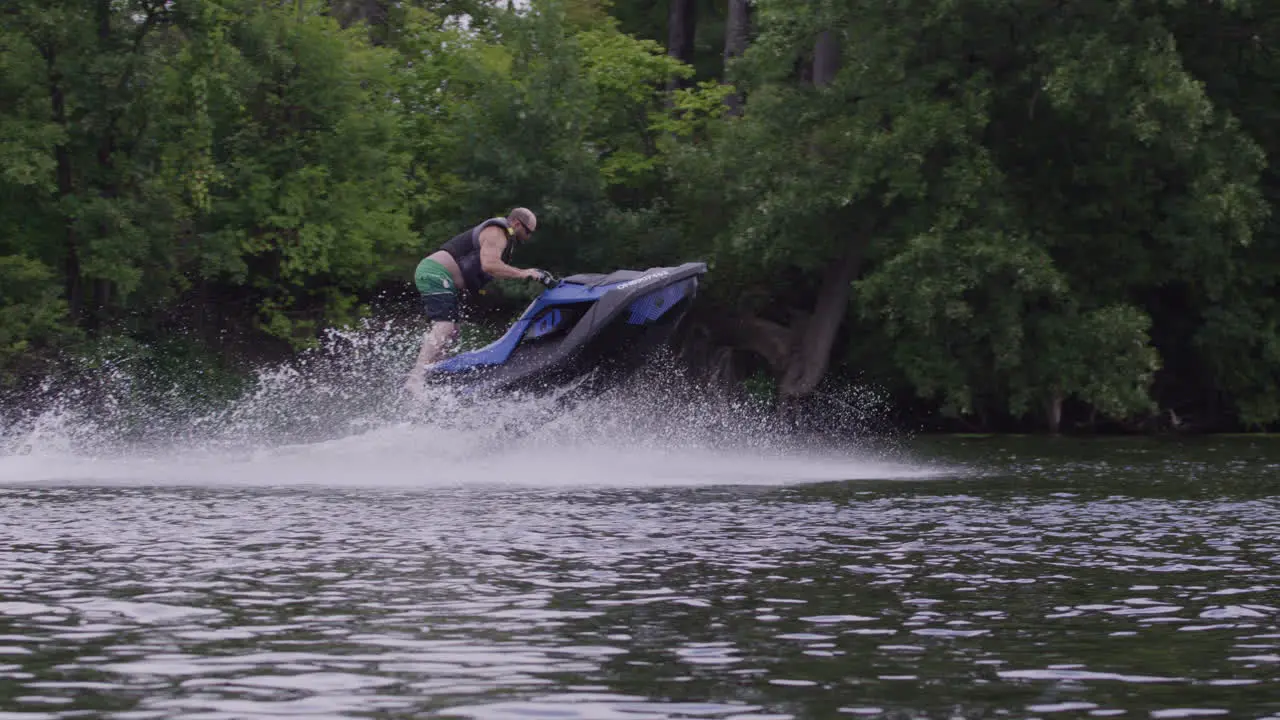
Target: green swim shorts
[(439, 293)]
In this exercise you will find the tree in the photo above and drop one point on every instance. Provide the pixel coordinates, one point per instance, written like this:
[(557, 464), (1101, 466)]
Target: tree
[(981, 185)]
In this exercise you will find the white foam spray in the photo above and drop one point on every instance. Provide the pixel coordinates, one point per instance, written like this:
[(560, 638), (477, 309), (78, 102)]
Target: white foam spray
[(337, 417)]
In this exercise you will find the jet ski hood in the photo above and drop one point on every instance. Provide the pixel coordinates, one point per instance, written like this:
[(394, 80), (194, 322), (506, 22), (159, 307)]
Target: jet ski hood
[(584, 320)]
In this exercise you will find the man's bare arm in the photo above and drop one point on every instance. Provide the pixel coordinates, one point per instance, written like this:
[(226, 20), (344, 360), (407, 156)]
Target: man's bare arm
[(491, 244)]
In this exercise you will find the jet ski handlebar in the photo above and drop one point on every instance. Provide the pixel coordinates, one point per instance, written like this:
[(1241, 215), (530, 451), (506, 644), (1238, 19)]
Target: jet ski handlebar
[(547, 279)]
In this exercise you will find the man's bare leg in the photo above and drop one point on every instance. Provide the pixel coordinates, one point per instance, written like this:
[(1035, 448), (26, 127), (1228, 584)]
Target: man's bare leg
[(434, 342)]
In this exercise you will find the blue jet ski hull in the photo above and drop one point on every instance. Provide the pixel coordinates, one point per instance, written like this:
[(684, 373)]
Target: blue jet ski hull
[(586, 322)]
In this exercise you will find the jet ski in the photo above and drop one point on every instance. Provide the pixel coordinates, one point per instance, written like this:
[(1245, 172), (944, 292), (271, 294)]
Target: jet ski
[(599, 325)]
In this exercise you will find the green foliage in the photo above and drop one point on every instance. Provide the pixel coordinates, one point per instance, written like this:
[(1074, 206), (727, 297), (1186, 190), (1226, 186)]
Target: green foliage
[(554, 116), (312, 207), (976, 316), (1030, 179), (693, 109), (1052, 203), (1241, 341), (32, 314), (761, 389)]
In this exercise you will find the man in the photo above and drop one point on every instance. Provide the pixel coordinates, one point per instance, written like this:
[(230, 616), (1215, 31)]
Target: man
[(466, 263)]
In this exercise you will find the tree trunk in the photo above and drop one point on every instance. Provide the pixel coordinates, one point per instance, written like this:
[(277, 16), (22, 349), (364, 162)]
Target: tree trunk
[(681, 25), (812, 341), (103, 12), (798, 355), (1053, 413), (712, 329), (71, 262), (350, 12), (62, 156), (736, 34), (826, 58)]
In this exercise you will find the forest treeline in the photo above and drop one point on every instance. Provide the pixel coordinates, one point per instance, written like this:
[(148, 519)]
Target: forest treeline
[(1008, 215)]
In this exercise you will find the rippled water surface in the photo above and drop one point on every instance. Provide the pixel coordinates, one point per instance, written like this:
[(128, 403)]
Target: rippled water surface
[(1033, 579)]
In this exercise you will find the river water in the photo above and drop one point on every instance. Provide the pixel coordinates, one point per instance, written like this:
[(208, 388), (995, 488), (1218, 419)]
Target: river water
[(310, 552), (956, 578)]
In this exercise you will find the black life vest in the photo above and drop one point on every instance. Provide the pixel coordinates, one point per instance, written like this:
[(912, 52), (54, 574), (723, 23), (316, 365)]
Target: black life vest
[(465, 249)]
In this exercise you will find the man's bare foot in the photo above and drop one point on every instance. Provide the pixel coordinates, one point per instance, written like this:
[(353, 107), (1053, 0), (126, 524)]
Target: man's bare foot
[(415, 386)]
